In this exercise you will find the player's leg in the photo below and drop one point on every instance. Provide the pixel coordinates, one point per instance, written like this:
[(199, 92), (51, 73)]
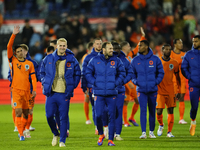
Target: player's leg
[(126, 124), (105, 120), (93, 109), (63, 107), (143, 113), (152, 109), (194, 100), (86, 108), (99, 105), (134, 108), (111, 104), (118, 121), (30, 114)]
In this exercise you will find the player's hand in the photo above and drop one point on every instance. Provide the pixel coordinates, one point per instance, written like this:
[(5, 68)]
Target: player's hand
[(142, 31), (178, 95), (33, 94), (16, 29), (86, 92), (131, 85), (42, 87)]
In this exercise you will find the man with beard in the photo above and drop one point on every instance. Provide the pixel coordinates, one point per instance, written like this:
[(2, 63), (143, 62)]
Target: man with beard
[(191, 69)]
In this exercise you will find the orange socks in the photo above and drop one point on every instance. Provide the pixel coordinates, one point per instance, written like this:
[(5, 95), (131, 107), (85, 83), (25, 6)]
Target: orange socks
[(18, 122), (30, 119), (125, 114), (13, 115), (181, 109), (86, 110), (134, 110), (24, 122), (160, 119), (170, 121)]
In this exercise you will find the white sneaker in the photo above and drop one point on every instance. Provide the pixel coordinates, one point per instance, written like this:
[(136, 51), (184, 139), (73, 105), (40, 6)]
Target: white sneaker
[(27, 133), (182, 121), (61, 144), (88, 122), (170, 134), (106, 132), (160, 130), (15, 130), (31, 129), (143, 136), (151, 134), (54, 140), (118, 138)]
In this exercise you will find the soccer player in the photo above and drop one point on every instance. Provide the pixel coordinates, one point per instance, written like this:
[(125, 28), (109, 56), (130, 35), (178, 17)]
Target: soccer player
[(84, 84), (166, 90), (53, 43), (147, 74), (178, 55), (191, 69), (121, 89), (105, 72), (86, 102), (20, 86), (60, 74)]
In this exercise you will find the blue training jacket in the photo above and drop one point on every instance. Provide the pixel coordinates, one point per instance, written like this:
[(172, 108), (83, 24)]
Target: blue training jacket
[(128, 69), (48, 70), (147, 72), (84, 83), (190, 67), (37, 73), (105, 74)]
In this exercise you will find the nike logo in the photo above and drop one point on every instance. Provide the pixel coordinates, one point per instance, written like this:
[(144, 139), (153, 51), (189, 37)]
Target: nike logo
[(66, 100), (192, 58), (138, 63), (98, 62), (49, 62), (114, 97)]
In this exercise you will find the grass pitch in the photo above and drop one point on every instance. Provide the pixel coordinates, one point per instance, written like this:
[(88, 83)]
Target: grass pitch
[(81, 136)]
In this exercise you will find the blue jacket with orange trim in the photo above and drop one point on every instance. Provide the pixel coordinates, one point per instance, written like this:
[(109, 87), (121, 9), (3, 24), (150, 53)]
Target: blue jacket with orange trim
[(72, 72), (190, 67), (105, 74), (147, 72), (128, 69), (84, 83)]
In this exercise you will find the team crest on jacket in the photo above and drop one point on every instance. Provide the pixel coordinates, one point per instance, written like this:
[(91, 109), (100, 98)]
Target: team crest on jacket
[(26, 67), (68, 65), (151, 63), (112, 64), (171, 66)]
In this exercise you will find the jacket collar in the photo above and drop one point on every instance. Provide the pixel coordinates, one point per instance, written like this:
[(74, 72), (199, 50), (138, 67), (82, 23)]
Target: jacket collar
[(196, 51), (150, 53)]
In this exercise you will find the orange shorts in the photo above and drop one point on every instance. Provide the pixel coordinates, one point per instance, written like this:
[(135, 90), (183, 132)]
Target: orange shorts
[(31, 102), (130, 94), (20, 98), (169, 100)]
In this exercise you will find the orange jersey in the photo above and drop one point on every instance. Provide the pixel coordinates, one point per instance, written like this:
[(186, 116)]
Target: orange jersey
[(134, 52), (166, 87), (20, 70), (83, 57)]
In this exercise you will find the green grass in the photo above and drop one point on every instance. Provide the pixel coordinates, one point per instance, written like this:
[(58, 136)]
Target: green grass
[(82, 136)]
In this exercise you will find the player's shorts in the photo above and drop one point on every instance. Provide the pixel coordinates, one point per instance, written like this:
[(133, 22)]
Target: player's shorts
[(87, 94), (169, 100), (20, 98), (130, 94)]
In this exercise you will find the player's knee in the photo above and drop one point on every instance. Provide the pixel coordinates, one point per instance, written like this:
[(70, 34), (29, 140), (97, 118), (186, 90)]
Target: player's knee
[(136, 101), (159, 111)]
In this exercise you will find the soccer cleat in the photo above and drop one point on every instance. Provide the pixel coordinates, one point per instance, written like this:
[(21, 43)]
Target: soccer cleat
[(100, 141), (54, 140), (88, 122), (192, 129), (160, 130), (143, 136), (15, 130), (110, 143), (27, 133), (182, 121), (151, 134), (169, 134), (31, 129), (22, 138), (118, 138), (61, 144), (106, 132), (127, 125), (133, 122)]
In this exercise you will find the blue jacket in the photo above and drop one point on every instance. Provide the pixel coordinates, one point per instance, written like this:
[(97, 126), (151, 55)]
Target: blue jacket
[(37, 73), (128, 69), (105, 74), (190, 67), (84, 83), (48, 70), (147, 72)]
